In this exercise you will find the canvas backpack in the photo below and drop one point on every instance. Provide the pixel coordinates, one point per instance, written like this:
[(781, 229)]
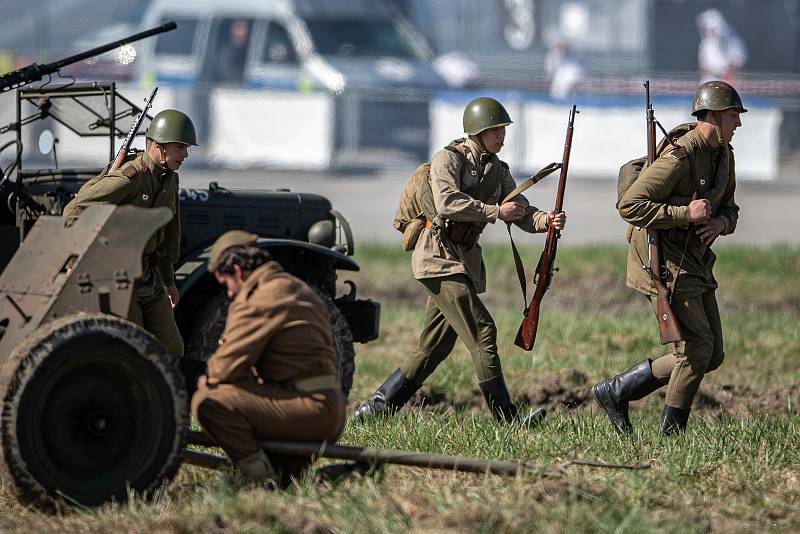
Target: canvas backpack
[(630, 172), (416, 201)]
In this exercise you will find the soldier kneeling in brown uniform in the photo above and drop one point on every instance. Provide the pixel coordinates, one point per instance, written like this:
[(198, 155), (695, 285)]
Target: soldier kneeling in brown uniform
[(274, 374)]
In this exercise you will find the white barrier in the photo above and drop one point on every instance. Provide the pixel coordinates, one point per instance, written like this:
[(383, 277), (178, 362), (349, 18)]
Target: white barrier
[(286, 129), (606, 136)]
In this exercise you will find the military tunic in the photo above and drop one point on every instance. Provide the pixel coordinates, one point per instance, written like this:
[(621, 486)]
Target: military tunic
[(659, 199), (274, 373), (143, 183), (453, 275)]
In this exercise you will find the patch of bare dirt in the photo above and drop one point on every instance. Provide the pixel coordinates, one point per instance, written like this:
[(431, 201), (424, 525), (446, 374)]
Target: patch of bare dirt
[(744, 401), (564, 390), (570, 389)]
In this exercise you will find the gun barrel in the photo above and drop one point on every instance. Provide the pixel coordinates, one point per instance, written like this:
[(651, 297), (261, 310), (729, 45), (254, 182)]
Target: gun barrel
[(169, 26), (34, 71)]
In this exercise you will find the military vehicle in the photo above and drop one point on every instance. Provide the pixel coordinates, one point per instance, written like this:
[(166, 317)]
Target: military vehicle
[(93, 409), (301, 230)]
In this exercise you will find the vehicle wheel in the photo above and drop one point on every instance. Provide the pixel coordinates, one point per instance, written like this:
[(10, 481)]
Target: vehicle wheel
[(93, 411), (210, 323)]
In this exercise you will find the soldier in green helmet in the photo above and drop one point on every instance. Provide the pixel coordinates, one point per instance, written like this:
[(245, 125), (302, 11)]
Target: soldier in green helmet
[(150, 180), (688, 194), (467, 182)]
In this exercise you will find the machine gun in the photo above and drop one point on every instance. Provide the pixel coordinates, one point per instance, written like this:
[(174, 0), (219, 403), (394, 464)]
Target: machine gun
[(34, 72), (135, 125)]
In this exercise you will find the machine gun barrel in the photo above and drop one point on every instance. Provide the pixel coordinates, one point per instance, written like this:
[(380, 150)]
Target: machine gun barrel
[(34, 72)]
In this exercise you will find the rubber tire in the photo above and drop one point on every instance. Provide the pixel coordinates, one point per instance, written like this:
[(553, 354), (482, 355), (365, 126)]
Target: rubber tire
[(210, 322), (79, 370)]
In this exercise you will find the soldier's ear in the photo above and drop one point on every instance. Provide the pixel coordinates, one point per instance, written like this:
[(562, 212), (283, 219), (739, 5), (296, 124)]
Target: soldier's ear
[(238, 273)]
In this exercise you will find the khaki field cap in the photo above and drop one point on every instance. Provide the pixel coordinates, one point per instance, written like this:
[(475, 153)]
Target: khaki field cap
[(172, 126), (716, 96), (484, 113), (234, 238)]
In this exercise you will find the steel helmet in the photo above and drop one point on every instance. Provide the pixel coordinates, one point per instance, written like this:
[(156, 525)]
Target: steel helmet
[(172, 126), (484, 113), (716, 96)]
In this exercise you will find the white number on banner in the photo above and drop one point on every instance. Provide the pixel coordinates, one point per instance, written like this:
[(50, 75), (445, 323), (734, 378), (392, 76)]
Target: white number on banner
[(201, 195)]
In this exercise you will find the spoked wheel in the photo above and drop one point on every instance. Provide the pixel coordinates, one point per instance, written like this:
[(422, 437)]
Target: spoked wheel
[(93, 410), (210, 323)]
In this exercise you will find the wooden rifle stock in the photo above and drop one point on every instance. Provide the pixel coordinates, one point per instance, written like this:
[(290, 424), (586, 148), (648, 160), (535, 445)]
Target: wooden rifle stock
[(526, 335), (135, 125), (668, 329)]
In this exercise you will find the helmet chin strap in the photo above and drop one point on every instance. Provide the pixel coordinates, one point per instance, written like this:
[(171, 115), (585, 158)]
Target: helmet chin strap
[(718, 128), (163, 153)]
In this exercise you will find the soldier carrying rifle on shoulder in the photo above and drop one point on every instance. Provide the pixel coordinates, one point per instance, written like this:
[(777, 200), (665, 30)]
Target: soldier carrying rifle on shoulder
[(687, 196)]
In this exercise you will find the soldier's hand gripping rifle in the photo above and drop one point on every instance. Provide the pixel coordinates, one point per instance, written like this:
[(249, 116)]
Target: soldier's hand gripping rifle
[(137, 123), (668, 328), (526, 336), (34, 72)]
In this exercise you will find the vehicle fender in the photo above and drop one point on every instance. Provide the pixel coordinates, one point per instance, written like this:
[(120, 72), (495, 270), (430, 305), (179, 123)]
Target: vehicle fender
[(192, 267)]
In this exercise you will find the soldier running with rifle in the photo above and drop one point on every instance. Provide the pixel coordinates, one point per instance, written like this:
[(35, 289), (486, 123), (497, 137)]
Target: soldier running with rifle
[(467, 182), (685, 196)]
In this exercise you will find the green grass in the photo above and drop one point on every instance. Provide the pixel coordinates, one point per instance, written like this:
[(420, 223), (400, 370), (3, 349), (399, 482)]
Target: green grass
[(737, 468)]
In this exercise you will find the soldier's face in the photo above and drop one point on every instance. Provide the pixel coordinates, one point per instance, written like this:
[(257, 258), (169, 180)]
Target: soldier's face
[(233, 282), (729, 121), (175, 154), (493, 139)]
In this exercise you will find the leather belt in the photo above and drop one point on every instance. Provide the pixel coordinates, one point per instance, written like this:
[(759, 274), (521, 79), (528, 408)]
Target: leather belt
[(317, 383)]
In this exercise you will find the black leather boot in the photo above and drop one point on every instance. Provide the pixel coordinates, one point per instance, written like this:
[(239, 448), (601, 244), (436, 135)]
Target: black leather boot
[(390, 397), (673, 420), (613, 394), (499, 401)]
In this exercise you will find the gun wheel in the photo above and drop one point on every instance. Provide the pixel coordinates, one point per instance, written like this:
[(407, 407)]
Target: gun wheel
[(210, 323), (93, 411)]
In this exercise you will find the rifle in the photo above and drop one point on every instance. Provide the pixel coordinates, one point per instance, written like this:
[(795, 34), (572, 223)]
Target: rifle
[(34, 72), (526, 336), (668, 328), (135, 125)]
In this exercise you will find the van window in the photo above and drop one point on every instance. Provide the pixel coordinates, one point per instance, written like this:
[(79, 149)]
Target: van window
[(180, 41), (358, 38), (228, 51), (278, 47)]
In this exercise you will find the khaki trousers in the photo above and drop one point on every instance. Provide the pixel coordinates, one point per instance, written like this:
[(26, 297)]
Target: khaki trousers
[(151, 309), (699, 353), (454, 310), (237, 415)]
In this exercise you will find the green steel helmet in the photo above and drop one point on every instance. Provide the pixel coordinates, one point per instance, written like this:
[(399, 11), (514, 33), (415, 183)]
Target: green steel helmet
[(172, 126), (716, 96), (484, 113)]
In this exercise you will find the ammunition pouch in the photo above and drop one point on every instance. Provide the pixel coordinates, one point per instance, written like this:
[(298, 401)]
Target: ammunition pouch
[(463, 233)]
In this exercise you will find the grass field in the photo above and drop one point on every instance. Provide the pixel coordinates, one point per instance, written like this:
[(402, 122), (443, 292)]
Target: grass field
[(737, 469)]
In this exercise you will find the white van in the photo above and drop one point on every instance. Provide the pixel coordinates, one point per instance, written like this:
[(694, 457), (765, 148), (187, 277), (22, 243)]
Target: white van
[(286, 44)]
